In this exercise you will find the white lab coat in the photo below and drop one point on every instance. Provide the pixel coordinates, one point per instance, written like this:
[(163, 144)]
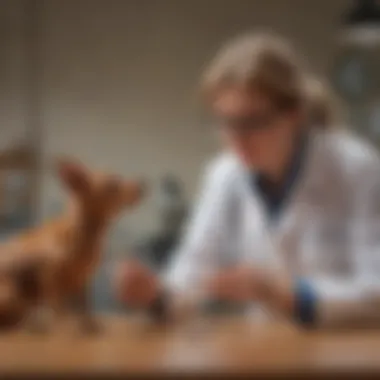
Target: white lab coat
[(328, 232)]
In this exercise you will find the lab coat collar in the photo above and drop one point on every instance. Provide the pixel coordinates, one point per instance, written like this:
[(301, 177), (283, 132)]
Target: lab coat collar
[(274, 204)]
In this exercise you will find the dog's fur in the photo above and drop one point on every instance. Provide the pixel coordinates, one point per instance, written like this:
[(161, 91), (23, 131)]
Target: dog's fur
[(44, 269)]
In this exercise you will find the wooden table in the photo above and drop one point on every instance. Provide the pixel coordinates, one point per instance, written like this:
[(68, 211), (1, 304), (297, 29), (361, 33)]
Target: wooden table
[(214, 346)]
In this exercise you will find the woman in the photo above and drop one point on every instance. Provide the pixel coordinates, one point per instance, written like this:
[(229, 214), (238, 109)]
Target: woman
[(323, 108), (287, 216)]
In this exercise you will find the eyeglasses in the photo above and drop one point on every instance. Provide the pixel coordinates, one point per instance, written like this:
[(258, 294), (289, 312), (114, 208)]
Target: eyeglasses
[(247, 123)]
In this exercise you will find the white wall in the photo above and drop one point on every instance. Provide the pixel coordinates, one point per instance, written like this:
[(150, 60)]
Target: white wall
[(120, 77)]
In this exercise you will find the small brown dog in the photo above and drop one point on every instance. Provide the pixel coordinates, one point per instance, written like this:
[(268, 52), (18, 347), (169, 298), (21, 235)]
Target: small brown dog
[(44, 269)]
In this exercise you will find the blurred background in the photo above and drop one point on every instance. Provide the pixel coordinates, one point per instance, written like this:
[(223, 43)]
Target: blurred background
[(114, 83)]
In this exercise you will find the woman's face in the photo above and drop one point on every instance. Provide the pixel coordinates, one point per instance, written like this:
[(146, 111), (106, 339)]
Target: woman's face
[(253, 128)]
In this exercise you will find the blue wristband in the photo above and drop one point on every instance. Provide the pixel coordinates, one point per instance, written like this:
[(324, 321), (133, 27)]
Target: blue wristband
[(305, 303)]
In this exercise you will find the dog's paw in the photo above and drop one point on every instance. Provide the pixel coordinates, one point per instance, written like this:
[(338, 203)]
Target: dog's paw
[(91, 326), (40, 321)]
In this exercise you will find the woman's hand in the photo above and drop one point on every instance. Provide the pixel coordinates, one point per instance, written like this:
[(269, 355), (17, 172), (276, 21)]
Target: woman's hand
[(245, 283), (236, 284), (135, 284)]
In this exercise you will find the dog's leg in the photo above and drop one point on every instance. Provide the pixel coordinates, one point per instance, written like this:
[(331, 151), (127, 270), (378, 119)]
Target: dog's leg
[(40, 319), (47, 305), (88, 323)]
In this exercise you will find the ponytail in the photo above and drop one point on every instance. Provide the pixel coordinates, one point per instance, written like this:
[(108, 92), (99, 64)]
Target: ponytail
[(323, 108)]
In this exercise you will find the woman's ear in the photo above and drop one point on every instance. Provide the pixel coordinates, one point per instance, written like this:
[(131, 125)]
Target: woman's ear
[(73, 174)]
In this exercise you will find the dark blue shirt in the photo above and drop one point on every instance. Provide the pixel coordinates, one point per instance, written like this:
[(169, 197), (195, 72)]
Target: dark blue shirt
[(275, 195)]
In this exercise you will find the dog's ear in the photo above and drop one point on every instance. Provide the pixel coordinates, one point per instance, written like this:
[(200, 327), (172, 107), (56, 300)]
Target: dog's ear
[(73, 174)]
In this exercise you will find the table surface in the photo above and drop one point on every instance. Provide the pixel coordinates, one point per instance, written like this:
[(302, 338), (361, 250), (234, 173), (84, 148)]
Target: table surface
[(217, 345)]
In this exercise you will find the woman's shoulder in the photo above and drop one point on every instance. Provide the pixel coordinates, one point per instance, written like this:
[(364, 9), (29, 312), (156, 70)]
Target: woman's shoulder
[(351, 154), (223, 168)]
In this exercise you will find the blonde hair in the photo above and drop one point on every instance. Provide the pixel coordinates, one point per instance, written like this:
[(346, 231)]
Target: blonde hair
[(268, 64), (323, 108), (260, 62)]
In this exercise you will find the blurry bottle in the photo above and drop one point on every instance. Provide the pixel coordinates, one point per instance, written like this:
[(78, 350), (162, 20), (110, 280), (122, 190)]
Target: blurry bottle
[(172, 207)]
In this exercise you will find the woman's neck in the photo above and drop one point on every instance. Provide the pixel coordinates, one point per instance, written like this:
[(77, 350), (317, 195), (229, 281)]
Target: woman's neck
[(283, 163)]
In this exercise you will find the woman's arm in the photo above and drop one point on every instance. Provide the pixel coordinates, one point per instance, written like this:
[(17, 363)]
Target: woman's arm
[(324, 302), (330, 301), (198, 252)]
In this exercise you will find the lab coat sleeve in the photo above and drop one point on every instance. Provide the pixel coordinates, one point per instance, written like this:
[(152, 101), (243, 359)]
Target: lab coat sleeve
[(203, 238), (356, 301)]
